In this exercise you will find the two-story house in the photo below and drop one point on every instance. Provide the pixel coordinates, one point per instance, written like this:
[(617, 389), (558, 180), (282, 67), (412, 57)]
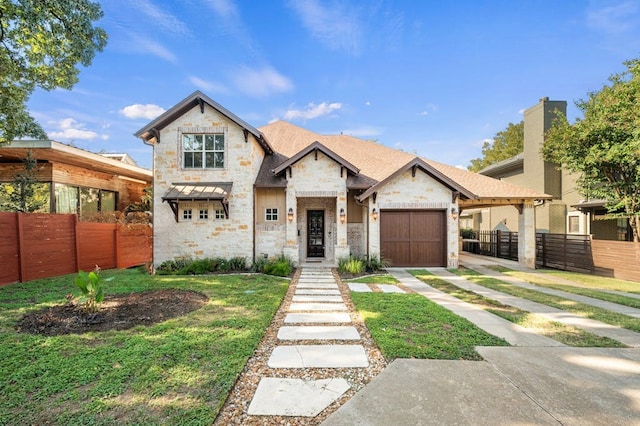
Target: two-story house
[(223, 188)]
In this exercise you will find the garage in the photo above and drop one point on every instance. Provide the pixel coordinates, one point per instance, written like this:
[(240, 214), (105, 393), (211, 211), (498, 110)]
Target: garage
[(413, 237)]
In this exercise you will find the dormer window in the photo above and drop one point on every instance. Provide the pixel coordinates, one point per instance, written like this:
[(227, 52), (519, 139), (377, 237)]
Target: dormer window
[(203, 151)]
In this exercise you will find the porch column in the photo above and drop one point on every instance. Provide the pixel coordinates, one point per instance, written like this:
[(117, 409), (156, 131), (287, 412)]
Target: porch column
[(527, 235), (374, 230), (342, 248), (291, 245)]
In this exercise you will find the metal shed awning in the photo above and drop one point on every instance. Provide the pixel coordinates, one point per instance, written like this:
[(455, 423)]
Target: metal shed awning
[(201, 191)]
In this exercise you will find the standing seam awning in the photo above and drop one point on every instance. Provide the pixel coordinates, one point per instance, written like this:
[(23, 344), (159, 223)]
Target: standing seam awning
[(201, 191)]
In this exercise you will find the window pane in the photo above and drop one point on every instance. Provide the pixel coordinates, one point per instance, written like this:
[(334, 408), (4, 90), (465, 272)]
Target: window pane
[(107, 201), (188, 159), (197, 142), (66, 198), (88, 201), (219, 143), (208, 142), (219, 159), (197, 159), (187, 142), (209, 161)]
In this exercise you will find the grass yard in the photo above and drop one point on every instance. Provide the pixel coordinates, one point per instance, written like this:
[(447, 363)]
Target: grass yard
[(571, 336), (411, 326), (594, 292), (175, 372), (572, 306), (597, 282)]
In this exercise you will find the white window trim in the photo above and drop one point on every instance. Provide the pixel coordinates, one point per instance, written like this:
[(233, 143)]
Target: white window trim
[(216, 130), (271, 212)]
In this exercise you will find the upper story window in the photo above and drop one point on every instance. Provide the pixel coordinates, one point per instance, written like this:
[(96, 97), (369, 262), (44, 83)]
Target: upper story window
[(271, 215), (203, 151)]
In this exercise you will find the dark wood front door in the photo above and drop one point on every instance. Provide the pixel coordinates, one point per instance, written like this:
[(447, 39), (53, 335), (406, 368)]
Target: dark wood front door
[(315, 233)]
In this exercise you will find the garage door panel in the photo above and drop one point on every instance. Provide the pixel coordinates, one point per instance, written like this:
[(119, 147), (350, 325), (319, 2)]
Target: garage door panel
[(413, 237)]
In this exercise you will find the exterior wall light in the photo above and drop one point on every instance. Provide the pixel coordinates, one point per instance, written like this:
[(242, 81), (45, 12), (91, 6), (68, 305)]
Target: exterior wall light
[(290, 215), (454, 213), (374, 214), (343, 216)]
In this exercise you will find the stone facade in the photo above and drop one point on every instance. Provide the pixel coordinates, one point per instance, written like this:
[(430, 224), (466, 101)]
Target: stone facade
[(210, 237)]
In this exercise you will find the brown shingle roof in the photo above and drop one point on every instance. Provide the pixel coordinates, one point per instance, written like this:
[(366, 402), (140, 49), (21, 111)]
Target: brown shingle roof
[(377, 162)]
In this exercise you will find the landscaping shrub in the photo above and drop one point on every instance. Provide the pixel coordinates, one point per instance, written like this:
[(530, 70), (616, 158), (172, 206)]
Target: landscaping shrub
[(281, 266), (377, 264), (201, 266), (351, 265)]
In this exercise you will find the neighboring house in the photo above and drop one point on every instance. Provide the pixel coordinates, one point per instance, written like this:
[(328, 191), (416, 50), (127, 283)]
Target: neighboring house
[(568, 212), (223, 188), (73, 180)]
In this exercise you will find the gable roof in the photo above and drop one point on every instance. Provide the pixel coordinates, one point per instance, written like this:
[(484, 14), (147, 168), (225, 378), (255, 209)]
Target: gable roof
[(152, 130), (378, 162), (418, 163), (315, 147)]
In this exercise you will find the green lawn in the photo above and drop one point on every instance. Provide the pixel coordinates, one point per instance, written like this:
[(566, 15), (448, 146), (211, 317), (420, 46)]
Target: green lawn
[(594, 292), (596, 281), (572, 306), (411, 326), (571, 336), (175, 372)]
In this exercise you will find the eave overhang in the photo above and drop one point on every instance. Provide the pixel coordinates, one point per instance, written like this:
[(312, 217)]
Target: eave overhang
[(201, 191)]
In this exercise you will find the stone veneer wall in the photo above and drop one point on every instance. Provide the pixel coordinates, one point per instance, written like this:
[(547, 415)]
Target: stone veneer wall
[(212, 237), (416, 192)]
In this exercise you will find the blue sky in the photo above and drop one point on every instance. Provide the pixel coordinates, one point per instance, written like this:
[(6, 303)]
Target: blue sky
[(434, 78)]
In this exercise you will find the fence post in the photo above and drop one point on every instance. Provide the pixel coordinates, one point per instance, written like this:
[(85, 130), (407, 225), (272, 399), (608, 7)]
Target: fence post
[(564, 250), (498, 243), (544, 250), (21, 259)]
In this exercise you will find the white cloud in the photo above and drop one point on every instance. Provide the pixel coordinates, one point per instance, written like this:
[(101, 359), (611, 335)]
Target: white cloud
[(363, 131), (70, 129), (335, 26), (614, 19), (428, 110), (148, 111), (161, 19), (261, 83), (223, 8), (208, 86), (312, 111), (143, 44), (367, 103)]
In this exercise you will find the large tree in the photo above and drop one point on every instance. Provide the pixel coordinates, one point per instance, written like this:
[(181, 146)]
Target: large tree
[(505, 144), (41, 43), (603, 147)]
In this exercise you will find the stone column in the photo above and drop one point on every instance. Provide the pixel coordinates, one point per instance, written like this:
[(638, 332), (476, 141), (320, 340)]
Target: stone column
[(374, 230), (291, 233), (341, 248), (527, 235)]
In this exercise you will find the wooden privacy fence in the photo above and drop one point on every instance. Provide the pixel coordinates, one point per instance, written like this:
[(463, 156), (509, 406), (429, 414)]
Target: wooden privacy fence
[(577, 253), (35, 245)]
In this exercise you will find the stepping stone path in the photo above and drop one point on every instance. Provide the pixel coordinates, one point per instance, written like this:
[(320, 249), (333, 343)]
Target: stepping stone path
[(317, 313)]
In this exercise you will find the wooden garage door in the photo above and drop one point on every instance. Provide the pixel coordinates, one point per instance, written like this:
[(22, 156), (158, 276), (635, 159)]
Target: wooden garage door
[(413, 237)]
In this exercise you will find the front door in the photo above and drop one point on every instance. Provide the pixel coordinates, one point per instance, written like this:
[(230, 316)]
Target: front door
[(315, 233)]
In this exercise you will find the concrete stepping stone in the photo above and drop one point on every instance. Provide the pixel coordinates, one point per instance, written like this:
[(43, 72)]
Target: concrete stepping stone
[(295, 397), (318, 285), (317, 307), (318, 332), (316, 291), (318, 356), (359, 288), (321, 317), (390, 288), (316, 298)]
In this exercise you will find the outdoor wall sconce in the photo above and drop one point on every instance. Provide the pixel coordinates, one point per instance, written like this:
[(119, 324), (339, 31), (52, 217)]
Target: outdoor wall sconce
[(290, 215), (343, 216), (454, 213), (374, 214)]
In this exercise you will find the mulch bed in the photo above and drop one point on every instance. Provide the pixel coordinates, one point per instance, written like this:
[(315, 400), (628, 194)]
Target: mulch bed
[(119, 312)]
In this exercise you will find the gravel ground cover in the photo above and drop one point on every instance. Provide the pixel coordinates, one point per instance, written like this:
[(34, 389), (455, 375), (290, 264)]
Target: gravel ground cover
[(234, 411)]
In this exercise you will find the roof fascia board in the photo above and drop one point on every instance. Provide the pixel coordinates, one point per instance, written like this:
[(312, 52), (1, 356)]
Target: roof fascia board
[(316, 146), (426, 168)]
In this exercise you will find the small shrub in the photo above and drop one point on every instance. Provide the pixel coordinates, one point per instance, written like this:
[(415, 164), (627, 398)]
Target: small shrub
[(92, 291), (237, 263), (172, 266), (351, 265), (281, 266), (376, 264), (467, 233)]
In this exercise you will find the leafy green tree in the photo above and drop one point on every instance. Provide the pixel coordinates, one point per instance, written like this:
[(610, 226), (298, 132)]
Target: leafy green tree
[(505, 144), (25, 194), (603, 148), (41, 43)]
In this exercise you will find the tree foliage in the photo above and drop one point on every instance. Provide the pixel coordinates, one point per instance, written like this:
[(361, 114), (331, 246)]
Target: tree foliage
[(41, 43), (604, 146), (25, 194), (505, 144)]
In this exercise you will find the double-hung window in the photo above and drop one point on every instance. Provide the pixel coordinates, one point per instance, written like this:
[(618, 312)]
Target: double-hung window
[(203, 151)]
